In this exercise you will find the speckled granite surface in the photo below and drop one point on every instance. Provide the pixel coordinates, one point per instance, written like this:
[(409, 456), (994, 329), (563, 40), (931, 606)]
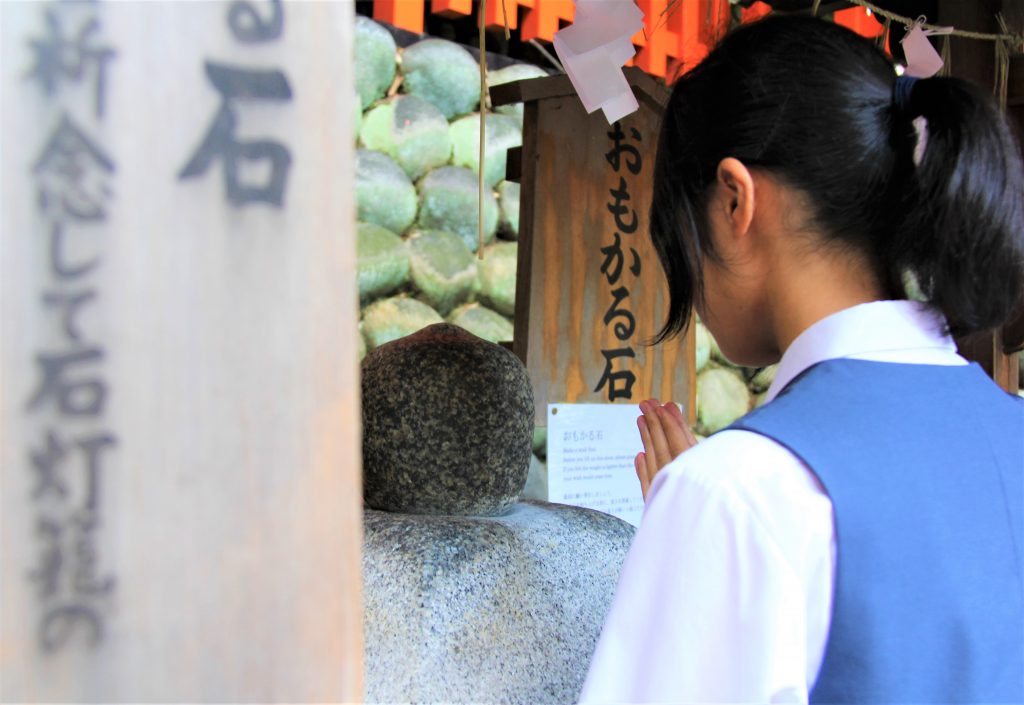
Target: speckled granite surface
[(447, 424), (500, 609), (470, 597)]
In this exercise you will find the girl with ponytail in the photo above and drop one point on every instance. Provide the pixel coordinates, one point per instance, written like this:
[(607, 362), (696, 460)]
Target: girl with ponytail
[(859, 537)]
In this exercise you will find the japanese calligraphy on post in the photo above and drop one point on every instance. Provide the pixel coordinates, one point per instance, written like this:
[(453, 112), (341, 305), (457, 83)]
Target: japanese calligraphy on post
[(178, 420), (238, 84), (70, 457), (617, 379), (589, 275)]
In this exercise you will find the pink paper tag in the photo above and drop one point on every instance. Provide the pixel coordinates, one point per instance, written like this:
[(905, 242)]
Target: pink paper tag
[(922, 59)]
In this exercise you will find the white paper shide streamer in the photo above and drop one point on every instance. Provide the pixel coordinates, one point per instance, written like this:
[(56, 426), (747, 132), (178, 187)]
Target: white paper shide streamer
[(593, 51)]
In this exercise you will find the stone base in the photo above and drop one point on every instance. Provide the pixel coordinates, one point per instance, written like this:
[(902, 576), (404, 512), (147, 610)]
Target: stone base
[(501, 609)]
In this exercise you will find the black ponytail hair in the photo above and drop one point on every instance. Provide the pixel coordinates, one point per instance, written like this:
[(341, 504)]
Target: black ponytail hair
[(813, 103)]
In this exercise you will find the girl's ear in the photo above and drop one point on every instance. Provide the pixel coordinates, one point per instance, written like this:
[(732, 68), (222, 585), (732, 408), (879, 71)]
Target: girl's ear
[(736, 191)]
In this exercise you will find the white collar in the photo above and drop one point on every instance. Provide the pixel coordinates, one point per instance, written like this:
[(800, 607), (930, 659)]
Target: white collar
[(891, 331)]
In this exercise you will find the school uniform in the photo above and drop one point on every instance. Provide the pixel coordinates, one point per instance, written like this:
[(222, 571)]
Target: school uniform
[(857, 539)]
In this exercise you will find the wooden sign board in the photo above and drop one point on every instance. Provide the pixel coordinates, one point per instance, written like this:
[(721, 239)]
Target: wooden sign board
[(181, 504), (590, 291)]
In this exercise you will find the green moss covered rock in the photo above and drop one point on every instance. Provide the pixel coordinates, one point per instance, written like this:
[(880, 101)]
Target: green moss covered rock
[(382, 261), (508, 205), (498, 277), (444, 74), (912, 287), (482, 322), (501, 133), (762, 378), (390, 319), (409, 130), (374, 60), (384, 194), (722, 397), (443, 269), (448, 201), (540, 442), (703, 339), (515, 72)]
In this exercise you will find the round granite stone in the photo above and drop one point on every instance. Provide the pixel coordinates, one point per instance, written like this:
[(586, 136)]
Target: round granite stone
[(503, 609), (447, 424)]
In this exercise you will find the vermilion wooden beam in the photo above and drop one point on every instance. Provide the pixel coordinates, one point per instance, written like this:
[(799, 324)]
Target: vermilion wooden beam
[(755, 12), (497, 10), (541, 21), (407, 14), (452, 8), (680, 37), (858, 19)]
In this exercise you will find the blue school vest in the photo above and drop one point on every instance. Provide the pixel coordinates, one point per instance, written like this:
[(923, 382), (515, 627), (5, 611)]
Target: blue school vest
[(924, 466)]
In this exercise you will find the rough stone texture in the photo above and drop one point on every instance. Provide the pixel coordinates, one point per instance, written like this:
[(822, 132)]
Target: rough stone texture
[(508, 204), (447, 424), (537, 480), (762, 378), (443, 269), (444, 74), (390, 319), (703, 340), (482, 322), (375, 60), (498, 277), (722, 397), (501, 133), (411, 131), (515, 72), (360, 345), (505, 609), (384, 194), (540, 442), (449, 201), (382, 261)]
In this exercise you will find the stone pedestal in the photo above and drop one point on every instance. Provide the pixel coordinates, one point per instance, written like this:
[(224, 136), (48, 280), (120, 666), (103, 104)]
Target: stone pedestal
[(503, 609), (469, 595)]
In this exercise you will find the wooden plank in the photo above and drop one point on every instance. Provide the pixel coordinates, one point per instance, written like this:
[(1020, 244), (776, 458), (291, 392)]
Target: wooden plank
[(530, 89), (1013, 333), (646, 88), (578, 325), (971, 59), (529, 161), (514, 164), (1000, 363), (181, 506)]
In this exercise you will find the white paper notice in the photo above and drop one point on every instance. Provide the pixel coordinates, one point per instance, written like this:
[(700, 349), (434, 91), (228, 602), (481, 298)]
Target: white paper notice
[(590, 458)]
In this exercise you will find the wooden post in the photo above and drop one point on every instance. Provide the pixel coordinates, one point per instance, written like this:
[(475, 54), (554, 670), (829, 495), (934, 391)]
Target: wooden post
[(590, 293), (181, 512)]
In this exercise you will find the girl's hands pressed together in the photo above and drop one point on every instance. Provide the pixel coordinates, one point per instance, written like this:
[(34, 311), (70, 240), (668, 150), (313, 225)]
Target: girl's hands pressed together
[(665, 434)]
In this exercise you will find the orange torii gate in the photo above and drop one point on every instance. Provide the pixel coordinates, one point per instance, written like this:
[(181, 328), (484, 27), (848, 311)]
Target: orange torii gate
[(681, 37)]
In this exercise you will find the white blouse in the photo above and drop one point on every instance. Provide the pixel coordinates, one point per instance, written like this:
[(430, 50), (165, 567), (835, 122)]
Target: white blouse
[(726, 592)]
